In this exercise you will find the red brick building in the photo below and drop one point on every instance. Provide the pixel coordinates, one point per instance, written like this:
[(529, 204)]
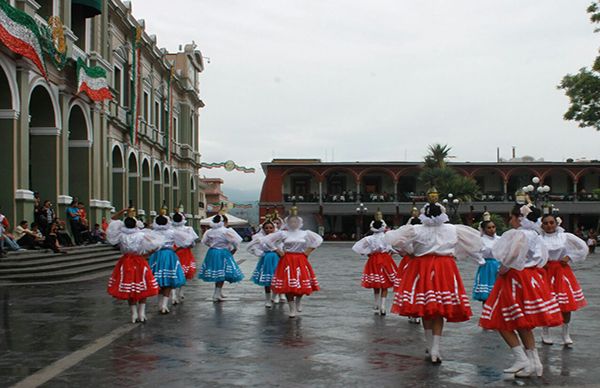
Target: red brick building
[(328, 193)]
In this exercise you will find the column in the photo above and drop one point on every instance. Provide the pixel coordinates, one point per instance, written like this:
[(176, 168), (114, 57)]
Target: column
[(8, 129), (320, 192), (24, 201), (575, 198), (505, 191)]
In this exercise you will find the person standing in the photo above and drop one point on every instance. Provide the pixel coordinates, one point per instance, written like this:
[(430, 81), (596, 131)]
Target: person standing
[(186, 236), (380, 269), (267, 262), (521, 300), (74, 218), (431, 287), (563, 248), (487, 272), (294, 275), (219, 266)]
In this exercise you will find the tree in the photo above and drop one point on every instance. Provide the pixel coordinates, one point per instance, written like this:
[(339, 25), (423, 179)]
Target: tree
[(583, 88), (436, 173)]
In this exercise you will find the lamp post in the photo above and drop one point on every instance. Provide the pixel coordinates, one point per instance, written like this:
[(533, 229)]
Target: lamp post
[(538, 192), (361, 210), (452, 204)]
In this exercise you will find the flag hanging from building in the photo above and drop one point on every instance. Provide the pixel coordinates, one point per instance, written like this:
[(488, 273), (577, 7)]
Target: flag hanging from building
[(92, 81), (20, 33)]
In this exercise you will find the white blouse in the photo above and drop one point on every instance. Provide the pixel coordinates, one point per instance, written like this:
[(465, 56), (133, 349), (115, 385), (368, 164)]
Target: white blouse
[(185, 236), (561, 244), (521, 248), (488, 245), (132, 240), (258, 247), (371, 244), (459, 241), (221, 238), (296, 241)]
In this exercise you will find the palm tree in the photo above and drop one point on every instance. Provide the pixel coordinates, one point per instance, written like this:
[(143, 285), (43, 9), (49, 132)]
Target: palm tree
[(437, 155)]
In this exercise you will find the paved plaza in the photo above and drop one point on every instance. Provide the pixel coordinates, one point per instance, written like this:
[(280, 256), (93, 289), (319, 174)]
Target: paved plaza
[(74, 335)]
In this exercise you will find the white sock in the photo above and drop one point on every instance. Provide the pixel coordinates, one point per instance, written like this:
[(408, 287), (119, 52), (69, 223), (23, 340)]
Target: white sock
[(221, 292), (217, 293), (377, 303), (160, 301), (299, 303), (134, 313), (429, 338), (142, 311), (383, 303), (267, 297), (435, 344), (292, 304)]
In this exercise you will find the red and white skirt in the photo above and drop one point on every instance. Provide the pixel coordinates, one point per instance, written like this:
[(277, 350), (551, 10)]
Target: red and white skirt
[(520, 300), (564, 286), (187, 261), (380, 271), (400, 272), (431, 287), (132, 279), (294, 275)]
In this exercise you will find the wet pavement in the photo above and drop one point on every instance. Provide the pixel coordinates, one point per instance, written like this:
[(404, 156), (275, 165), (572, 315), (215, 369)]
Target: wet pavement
[(336, 342)]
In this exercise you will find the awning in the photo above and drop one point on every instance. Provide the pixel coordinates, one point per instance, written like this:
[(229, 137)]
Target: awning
[(90, 8)]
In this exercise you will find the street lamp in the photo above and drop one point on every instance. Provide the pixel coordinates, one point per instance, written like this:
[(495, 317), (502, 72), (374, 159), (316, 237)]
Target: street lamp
[(538, 193), (361, 210), (452, 204)]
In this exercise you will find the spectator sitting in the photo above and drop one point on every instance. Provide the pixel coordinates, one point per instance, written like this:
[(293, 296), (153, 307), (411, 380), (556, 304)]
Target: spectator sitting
[(63, 236), (51, 241), (104, 224), (97, 235), (25, 237), (2, 252), (35, 229)]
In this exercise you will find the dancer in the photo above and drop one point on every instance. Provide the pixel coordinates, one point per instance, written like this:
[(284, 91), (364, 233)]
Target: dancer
[(187, 236), (132, 280), (521, 299), (219, 266), (380, 270), (563, 248), (164, 262), (413, 220), (431, 287), (294, 275), (487, 272), (265, 268)]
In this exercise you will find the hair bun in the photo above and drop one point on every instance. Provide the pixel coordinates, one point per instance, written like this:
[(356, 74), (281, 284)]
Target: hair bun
[(534, 214), (216, 219)]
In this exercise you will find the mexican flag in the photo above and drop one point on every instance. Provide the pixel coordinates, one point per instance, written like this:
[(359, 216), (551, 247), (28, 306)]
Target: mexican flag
[(92, 81), (21, 34)]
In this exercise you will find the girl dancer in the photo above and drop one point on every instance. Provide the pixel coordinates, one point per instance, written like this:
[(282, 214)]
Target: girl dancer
[(164, 262), (132, 280), (187, 260), (431, 287), (219, 265), (486, 273), (380, 270), (521, 299), (294, 275), (265, 268), (413, 220), (562, 248)]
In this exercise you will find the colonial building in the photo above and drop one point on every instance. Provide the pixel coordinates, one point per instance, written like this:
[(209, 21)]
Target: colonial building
[(138, 141), (214, 195), (329, 194)]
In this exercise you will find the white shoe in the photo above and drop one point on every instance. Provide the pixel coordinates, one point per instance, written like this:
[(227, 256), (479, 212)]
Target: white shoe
[(546, 337), (180, 294), (435, 349), (268, 302), (217, 297), (299, 304), (293, 311), (521, 362), (428, 340), (282, 298), (414, 320), (134, 313), (537, 363), (382, 306), (164, 309), (174, 298), (223, 296), (142, 312), (567, 341), (529, 370), (276, 298)]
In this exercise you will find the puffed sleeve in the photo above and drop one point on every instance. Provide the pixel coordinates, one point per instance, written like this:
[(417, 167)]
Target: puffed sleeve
[(401, 239), (113, 233), (577, 249), (255, 246), (468, 244), (511, 249), (272, 240), (313, 240), (540, 252), (362, 246), (233, 237), (150, 242), (184, 238)]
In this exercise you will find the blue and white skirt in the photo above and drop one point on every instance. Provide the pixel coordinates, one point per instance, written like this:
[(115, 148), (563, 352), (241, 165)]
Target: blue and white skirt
[(265, 269), (166, 268), (485, 278), (220, 266)]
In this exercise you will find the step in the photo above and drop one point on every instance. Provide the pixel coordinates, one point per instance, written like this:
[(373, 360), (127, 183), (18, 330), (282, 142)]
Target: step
[(86, 277), (57, 275), (54, 259), (20, 255), (111, 258)]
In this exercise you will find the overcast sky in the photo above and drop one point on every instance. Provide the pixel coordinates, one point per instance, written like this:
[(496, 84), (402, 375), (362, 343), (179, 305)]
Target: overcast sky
[(380, 80)]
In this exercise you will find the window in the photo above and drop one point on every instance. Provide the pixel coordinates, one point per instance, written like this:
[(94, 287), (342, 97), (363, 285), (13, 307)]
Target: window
[(175, 130), (146, 107), (118, 84), (157, 115), (46, 8)]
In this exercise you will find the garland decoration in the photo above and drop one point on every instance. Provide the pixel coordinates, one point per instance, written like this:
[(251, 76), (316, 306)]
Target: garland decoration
[(229, 166), (92, 81), (20, 34)]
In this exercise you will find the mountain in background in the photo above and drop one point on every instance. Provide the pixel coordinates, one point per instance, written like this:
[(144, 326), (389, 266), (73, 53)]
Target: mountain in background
[(240, 195)]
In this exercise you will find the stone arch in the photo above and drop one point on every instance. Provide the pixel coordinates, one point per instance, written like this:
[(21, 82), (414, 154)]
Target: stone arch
[(167, 187), (133, 176), (9, 89), (10, 106), (175, 185), (79, 159), (157, 186), (146, 184), (118, 177)]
